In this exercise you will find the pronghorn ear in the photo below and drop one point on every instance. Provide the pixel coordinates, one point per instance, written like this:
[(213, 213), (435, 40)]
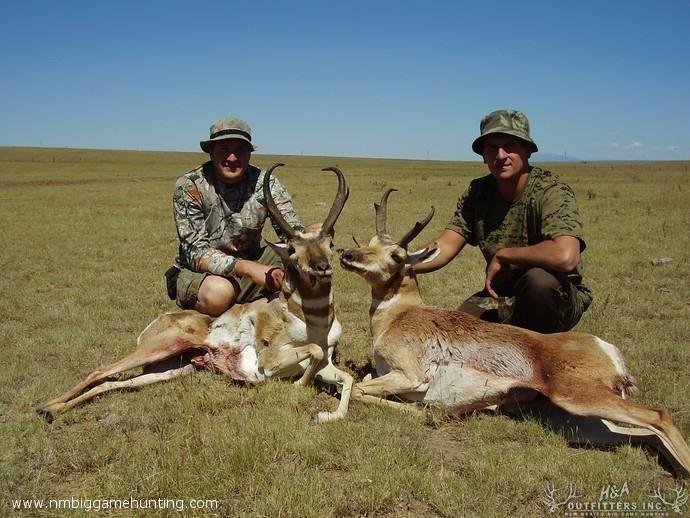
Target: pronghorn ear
[(424, 255), (281, 249)]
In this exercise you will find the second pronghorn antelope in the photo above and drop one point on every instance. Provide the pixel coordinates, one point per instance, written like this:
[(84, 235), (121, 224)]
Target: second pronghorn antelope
[(429, 354), (292, 335)]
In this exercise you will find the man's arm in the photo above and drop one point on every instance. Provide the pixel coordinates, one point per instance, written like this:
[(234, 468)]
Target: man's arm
[(190, 223), (449, 243), (561, 254), (261, 274)]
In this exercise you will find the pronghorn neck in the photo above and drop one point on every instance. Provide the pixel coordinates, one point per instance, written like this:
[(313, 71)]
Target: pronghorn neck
[(310, 302), (399, 292)]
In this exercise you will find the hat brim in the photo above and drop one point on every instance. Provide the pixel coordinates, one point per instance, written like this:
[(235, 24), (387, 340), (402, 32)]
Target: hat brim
[(206, 144), (478, 144)]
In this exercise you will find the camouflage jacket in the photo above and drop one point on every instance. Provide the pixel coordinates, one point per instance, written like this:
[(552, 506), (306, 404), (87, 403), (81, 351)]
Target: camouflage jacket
[(219, 223), (546, 208)]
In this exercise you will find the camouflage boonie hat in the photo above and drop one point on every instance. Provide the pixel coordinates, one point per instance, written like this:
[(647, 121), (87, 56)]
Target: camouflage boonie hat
[(510, 122), (226, 129)]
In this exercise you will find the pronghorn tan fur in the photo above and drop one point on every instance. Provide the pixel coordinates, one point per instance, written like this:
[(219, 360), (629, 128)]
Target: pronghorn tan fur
[(429, 354), (292, 335)]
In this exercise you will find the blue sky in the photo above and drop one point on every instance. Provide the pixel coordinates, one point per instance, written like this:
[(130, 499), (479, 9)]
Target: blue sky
[(598, 79)]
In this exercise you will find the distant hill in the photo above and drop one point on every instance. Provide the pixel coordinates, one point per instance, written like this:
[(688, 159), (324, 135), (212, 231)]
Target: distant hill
[(553, 157)]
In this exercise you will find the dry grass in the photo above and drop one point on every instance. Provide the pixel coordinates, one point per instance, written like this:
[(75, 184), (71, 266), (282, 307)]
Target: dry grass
[(89, 234)]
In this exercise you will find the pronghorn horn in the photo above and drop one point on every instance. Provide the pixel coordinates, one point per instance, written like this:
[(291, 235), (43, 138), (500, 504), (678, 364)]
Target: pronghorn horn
[(418, 227), (381, 213), (338, 202), (276, 216)]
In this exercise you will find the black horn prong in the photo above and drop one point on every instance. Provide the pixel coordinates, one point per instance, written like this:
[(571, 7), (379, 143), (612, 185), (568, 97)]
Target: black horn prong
[(276, 216), (338, 202), (381, 209), (418, 227)]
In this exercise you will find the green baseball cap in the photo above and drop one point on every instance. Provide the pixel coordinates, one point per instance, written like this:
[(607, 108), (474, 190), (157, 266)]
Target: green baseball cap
[(510, 122), (226, 129)]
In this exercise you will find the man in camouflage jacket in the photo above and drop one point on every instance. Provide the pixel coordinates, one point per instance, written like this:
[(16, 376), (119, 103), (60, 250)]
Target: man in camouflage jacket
[(526, 222), (219, 212)]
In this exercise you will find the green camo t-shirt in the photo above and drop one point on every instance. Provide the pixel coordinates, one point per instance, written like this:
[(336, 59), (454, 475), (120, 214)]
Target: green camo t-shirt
[(546, 208)]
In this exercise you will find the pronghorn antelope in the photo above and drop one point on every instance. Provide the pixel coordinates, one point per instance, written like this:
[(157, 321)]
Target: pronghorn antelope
[(429, 354), (292, 335)]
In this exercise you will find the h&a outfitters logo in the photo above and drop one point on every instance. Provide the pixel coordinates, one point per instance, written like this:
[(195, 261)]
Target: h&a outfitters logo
[(615, 501)]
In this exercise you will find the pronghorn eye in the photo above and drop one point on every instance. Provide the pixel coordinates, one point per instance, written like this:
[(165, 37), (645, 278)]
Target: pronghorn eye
[(396, 258)]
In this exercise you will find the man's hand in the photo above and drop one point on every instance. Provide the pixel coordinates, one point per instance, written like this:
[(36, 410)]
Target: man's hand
[(269, 277), (493, 270), (274, 279)]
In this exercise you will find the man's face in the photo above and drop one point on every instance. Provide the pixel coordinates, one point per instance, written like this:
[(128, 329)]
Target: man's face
[(506, 156), (230, 158)]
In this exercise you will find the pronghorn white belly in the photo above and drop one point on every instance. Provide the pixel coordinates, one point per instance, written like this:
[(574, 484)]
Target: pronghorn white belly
[(473, 374), (495, 359), (234, 336), (464, 389)]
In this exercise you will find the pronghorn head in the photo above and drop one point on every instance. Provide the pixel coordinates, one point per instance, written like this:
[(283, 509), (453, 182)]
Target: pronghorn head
[(384, 258), (307, 254)]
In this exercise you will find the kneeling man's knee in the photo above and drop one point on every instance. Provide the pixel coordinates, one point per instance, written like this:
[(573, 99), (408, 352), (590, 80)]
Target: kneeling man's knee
[(538, 284), (216, 295), (538, 297)]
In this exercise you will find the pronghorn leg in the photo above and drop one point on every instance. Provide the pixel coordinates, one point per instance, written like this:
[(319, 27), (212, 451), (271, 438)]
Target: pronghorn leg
[(591, 431), (375, 390), (279, 363), (609, 407), (332, 375), (138, 381), (409, 408), (643, 437), (310, 371), (137, 358), (167, 336)]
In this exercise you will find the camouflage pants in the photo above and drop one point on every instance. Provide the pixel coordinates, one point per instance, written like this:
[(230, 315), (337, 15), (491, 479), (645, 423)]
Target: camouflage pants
[(540, 300), (189, 282)]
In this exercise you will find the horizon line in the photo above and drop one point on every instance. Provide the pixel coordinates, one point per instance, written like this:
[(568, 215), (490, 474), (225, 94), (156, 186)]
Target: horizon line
[(127, 150)]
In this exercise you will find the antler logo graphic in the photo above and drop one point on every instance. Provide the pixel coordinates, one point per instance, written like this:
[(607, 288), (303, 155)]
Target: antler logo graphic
[(681, 497), (550, 498)]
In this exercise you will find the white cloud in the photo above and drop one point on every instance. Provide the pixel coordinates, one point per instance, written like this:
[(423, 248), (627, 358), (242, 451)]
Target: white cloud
[(635, 145), (671, 147)]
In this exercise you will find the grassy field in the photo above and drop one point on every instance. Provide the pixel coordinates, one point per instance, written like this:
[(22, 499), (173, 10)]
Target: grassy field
[(89, 235)]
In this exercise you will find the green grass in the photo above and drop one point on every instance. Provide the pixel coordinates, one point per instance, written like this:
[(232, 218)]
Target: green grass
[(88, 236)]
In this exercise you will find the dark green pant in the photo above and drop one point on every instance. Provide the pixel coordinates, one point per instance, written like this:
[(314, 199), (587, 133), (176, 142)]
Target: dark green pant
[(540, 300)]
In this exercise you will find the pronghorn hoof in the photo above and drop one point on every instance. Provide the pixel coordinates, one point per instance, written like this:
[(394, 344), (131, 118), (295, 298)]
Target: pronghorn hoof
[(315, 419), (46, 413)]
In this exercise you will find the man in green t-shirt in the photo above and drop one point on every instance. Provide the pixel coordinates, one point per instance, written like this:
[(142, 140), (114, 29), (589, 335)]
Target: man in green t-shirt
[(526, 222)]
